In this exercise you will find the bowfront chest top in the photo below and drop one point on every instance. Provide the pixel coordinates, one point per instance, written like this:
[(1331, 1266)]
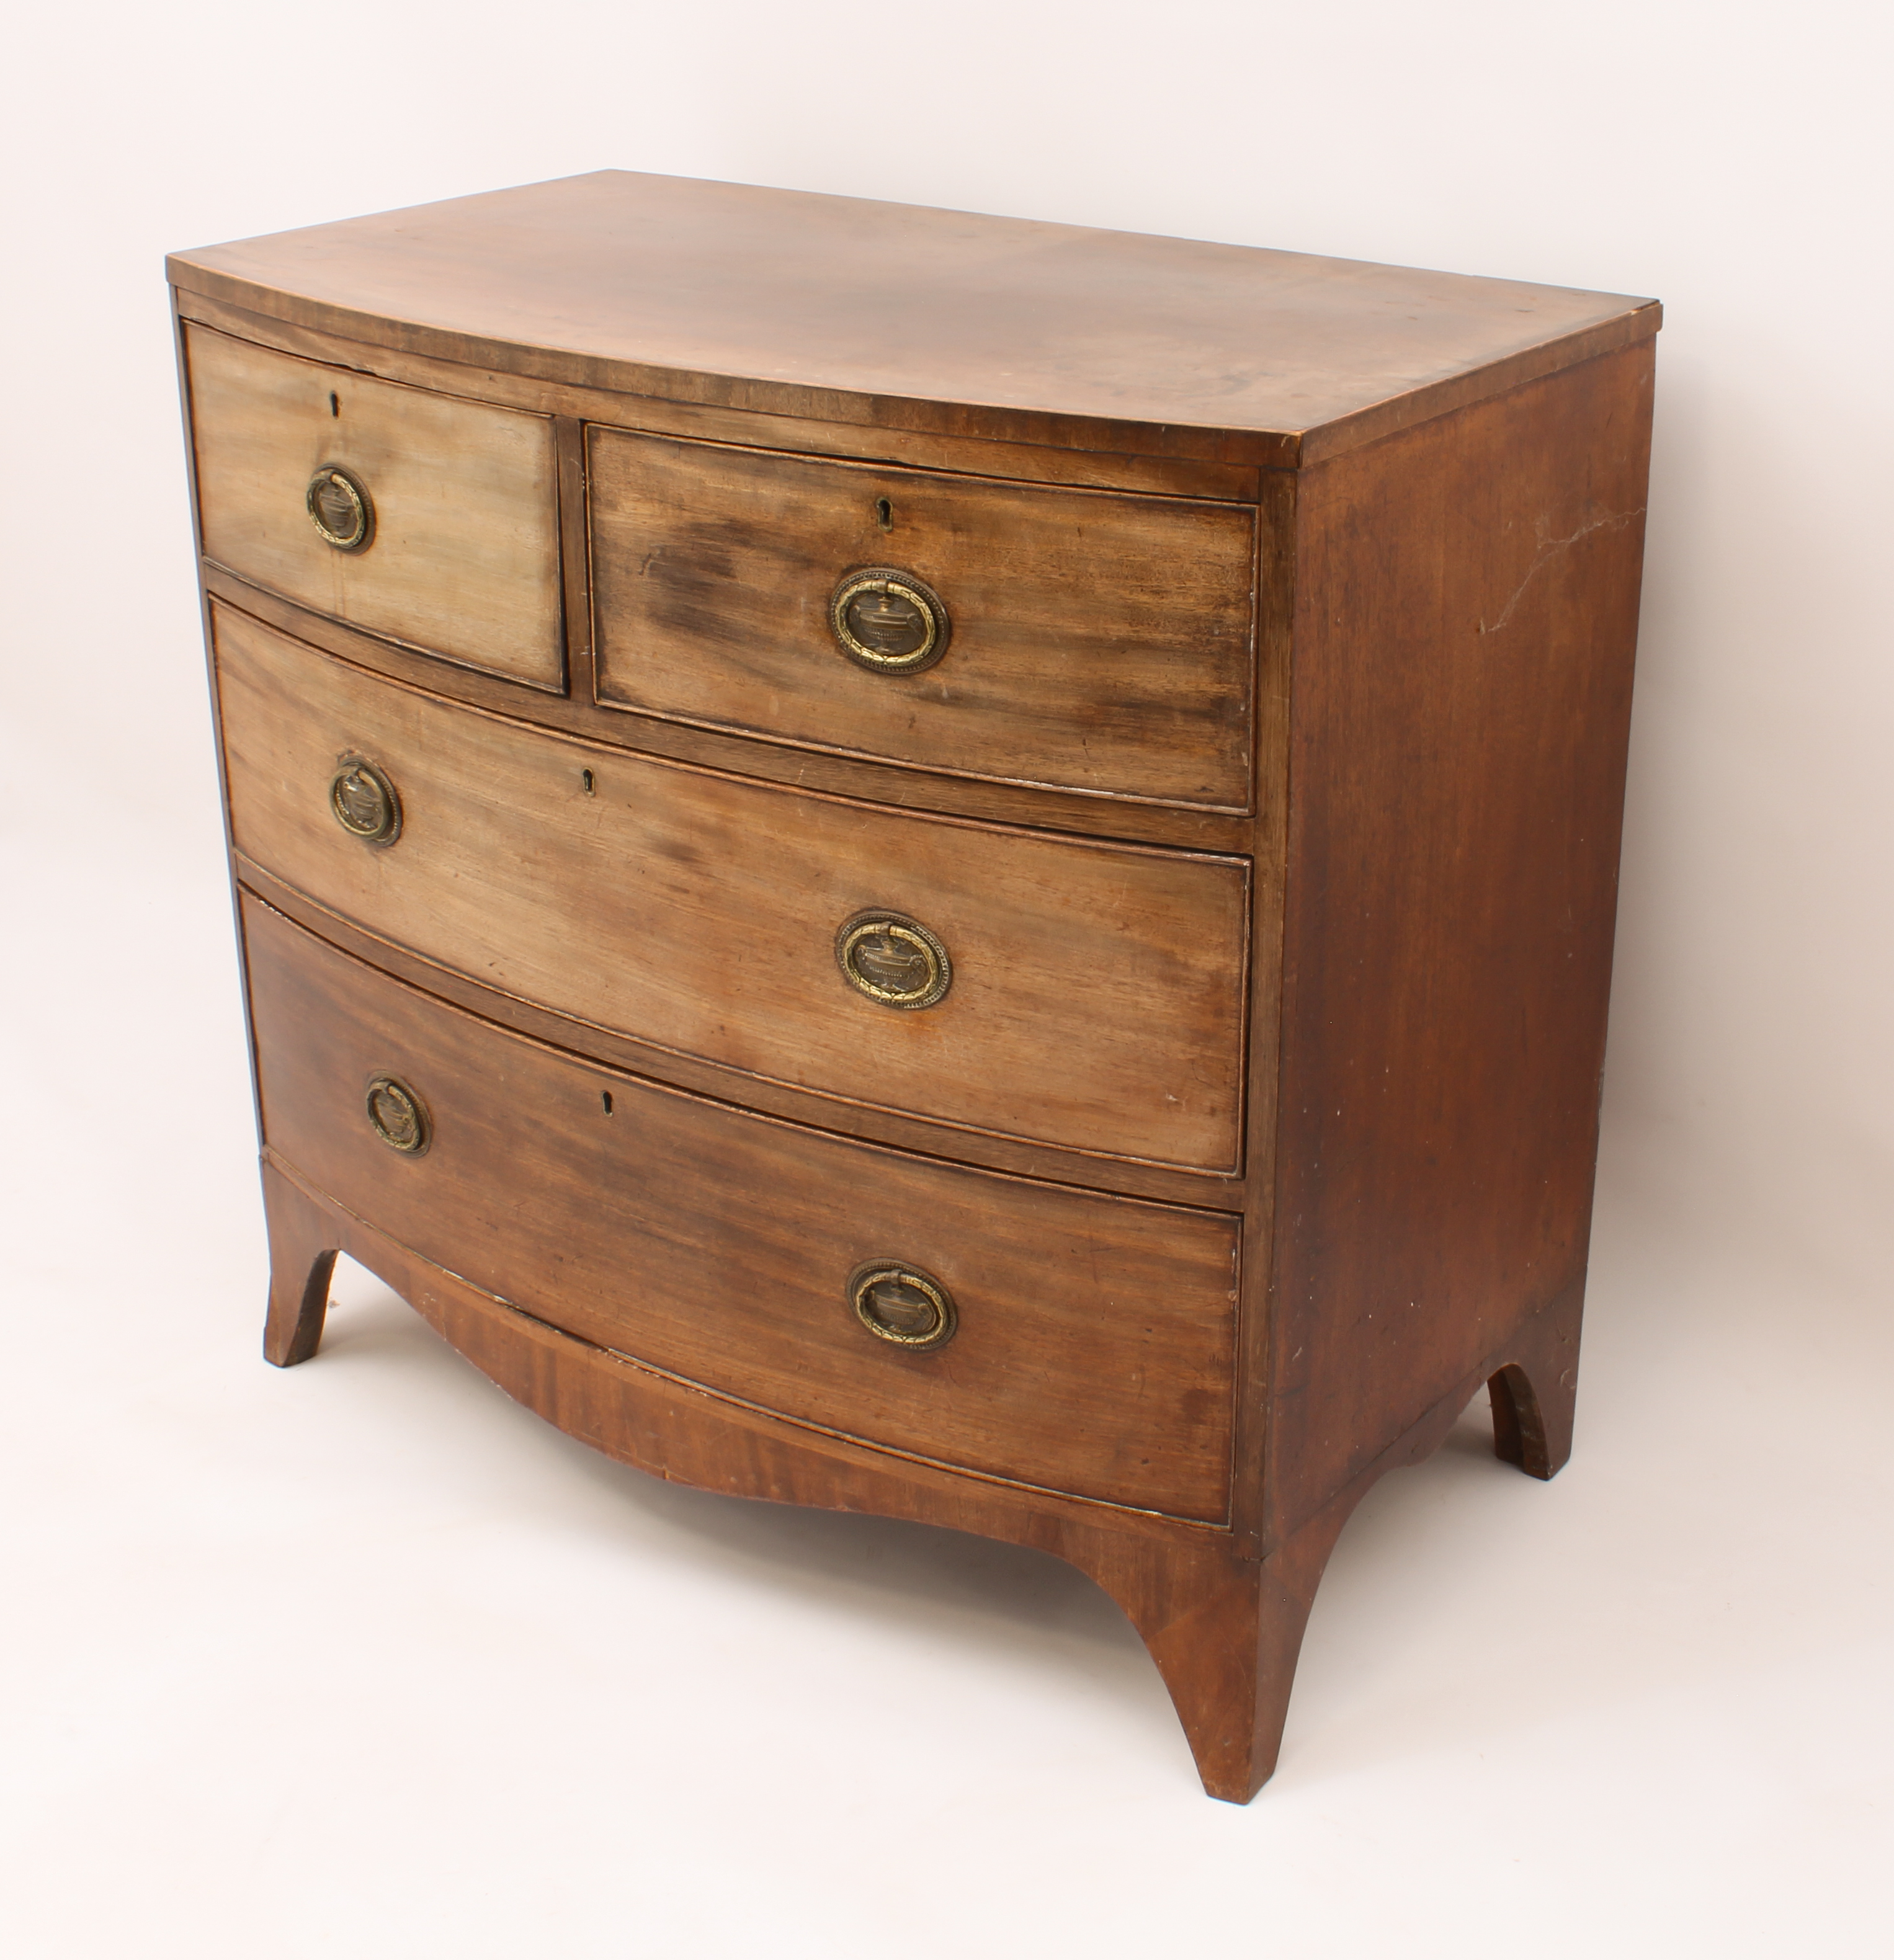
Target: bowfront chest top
[(930, 864)]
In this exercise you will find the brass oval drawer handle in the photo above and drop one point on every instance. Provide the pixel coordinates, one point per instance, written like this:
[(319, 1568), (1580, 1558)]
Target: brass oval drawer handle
[(899, 1303), (341, 509), (893, 959), (889, 621), (363, 801), (398, 1116)]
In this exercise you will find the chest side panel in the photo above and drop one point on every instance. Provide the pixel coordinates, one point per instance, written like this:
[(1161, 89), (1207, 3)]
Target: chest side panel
[(1466, 620)]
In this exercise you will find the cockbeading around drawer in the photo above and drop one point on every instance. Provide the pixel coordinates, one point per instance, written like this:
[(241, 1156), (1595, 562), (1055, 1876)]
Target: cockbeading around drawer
[(423, 518), (1081, 639), (1065, 991), (1088, 1341)]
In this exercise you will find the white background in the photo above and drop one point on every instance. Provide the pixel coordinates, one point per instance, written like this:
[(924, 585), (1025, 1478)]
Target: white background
[(360, 1660)]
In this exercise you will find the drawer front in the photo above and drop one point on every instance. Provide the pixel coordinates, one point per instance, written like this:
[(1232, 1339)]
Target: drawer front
[(1092, 1337), (459, 553), (1093, 641), (1096, 991)]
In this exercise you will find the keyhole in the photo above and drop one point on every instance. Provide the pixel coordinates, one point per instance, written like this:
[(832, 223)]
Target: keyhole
[(585, 777), (335, 405), (884, 513), (606, 1098)]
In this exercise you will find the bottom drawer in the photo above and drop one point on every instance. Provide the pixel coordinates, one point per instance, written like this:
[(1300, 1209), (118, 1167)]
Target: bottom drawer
[(1088, 1339)]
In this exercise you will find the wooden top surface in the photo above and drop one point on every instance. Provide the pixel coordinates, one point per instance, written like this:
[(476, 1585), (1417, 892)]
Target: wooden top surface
[(845, 309)]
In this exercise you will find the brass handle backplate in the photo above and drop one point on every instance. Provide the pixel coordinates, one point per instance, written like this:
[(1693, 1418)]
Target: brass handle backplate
[(398, 1116), (893, 959), (887, 621), (899, 1303), (363, 801), (341, 509)]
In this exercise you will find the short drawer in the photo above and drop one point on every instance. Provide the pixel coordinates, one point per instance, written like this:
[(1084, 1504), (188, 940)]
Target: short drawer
[(1094, 992), (439, 517), (1088, 1341), (1080, 638)]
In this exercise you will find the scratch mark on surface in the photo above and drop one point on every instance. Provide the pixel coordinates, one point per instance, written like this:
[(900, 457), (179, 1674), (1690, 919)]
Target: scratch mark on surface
[(1550, 547)]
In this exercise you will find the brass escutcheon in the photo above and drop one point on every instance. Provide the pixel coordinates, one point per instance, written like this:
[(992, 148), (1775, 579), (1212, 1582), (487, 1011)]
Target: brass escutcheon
[(893, 959), (398, 1116), (899, 1303), (341, 509), (889, 621), (363, 801)]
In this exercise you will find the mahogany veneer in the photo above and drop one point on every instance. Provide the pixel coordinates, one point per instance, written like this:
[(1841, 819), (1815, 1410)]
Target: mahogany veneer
[(930, 864)]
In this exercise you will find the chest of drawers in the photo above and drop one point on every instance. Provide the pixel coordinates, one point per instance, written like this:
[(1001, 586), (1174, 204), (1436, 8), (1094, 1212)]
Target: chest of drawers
[(933, 865)]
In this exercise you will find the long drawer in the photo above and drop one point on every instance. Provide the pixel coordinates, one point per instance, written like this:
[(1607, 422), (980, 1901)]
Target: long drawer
[(1094, 994), (1094, 641), (420, 517), (1029, 1330)]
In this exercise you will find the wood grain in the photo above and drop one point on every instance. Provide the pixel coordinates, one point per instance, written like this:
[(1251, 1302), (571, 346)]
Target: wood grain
[(1095, 1333), (893, 784), (971, 455), (465, 561), (842, 310), (899, 1130), (1099, 643), (1465, 621), (1098, 994)]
